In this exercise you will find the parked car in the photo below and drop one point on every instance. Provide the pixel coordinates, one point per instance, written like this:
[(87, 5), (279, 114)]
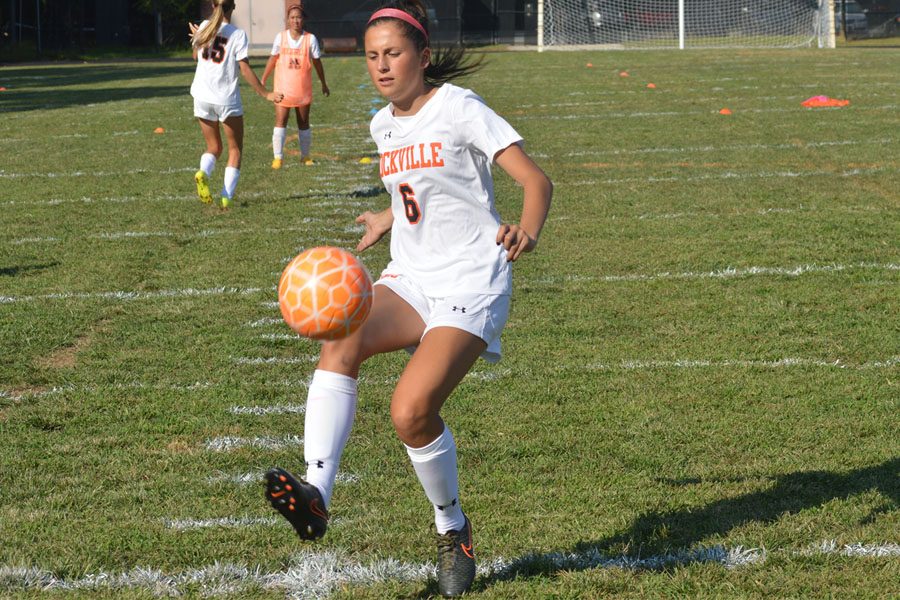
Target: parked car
[(855, 16)]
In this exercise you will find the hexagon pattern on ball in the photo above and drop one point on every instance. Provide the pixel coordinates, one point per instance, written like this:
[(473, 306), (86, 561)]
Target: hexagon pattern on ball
[(325, 293)]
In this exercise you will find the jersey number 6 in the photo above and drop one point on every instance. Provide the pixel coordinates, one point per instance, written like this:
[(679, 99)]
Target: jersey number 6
[(413, 213)]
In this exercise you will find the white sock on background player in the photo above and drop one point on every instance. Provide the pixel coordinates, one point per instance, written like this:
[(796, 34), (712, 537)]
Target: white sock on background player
[(278, 135), (435, 466), (207, 163), (231, 180), (330, 409)]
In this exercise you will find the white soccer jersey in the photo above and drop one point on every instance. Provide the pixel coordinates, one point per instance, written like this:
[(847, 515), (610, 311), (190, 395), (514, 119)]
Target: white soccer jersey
[(314, 50), (216, 77), (436, 165)]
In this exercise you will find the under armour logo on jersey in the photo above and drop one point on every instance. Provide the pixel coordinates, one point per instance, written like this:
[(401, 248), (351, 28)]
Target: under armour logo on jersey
[(319, 464), (387, 136), (446, 505), (461, 309)]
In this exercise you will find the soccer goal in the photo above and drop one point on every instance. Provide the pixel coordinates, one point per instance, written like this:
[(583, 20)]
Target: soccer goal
[(566, 24)]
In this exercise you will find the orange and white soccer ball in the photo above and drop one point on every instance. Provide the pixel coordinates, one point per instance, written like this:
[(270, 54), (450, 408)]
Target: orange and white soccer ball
[(325, 293)]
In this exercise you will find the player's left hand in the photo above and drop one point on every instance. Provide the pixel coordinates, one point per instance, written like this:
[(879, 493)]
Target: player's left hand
[(516, 241), (325, 90)]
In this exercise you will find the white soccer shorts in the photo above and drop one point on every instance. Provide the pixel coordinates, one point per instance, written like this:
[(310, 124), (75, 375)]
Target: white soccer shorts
[(482, 315), (216, 112)]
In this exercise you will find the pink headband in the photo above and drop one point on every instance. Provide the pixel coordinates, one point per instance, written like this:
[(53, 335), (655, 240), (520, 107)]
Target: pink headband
[(399, 14)]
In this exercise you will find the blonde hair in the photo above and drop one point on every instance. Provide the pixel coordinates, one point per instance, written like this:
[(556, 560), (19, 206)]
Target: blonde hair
[(205, 36)]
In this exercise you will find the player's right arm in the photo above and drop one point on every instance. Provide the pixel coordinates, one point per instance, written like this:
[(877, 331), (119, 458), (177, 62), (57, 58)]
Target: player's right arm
[(377, 224), (250, 77), (270, 66)]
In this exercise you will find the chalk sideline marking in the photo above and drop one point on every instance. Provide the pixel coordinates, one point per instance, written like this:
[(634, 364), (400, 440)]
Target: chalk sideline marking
[(229, 443), (728, 273), (313, 575), (228, 290)]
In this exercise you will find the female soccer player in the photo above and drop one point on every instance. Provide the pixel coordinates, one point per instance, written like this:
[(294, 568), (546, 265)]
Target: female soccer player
[(293, 53), (446, 290), (220, 49)]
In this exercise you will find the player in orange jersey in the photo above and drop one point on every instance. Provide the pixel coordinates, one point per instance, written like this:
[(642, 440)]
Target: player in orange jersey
[(294, 54), (445, 292)]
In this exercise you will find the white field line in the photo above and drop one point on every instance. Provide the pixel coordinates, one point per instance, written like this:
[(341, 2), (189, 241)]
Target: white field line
[(44, 174), (275, 409), (257, 477), (762, 212), (685, 113), (225, 290), (649, 365), (725, 148), (478, 376), (733, 175), (138, 385), (728, 273), (225, 522), (312, 575), (229, 443), (274, 360), (203, 234), (852, 550), (127, 296)]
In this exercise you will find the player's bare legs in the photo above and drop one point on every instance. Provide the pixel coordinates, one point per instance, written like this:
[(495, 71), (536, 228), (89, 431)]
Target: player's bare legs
[(234, 134), (213, 139), (440, 362), (392, 324), (304, 134)]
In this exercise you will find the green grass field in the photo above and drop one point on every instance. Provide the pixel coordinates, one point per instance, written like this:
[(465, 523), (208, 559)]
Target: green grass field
[(699, 391)]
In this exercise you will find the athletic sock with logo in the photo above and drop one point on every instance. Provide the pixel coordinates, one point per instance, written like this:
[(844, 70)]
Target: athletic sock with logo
[(330, 409), (435, 466)]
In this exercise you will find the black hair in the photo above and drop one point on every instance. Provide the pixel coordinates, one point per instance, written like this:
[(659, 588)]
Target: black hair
[(447, 63)]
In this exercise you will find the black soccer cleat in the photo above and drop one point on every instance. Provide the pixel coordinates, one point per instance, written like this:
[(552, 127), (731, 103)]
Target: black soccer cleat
[(456, 561), (299, 502)]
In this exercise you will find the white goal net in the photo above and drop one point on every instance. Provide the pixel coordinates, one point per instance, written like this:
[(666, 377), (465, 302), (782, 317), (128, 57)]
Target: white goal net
[(686, 23)]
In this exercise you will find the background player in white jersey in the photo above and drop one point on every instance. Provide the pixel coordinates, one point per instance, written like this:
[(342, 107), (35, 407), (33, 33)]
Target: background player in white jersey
[(446, 290), (220, 49), (294, 53)]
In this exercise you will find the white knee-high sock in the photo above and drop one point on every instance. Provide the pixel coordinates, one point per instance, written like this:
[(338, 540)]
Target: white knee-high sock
[(278, 135), (207, 163), (435, 465), (330, 409), (305, 137), (231, 180)]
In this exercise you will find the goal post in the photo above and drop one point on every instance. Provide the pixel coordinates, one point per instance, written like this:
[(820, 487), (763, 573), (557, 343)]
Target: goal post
[(637, 24)]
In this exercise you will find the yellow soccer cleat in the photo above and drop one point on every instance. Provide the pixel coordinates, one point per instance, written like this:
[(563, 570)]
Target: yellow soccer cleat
[(226, 202), (276, 163), (203, 187), (307, 161)]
